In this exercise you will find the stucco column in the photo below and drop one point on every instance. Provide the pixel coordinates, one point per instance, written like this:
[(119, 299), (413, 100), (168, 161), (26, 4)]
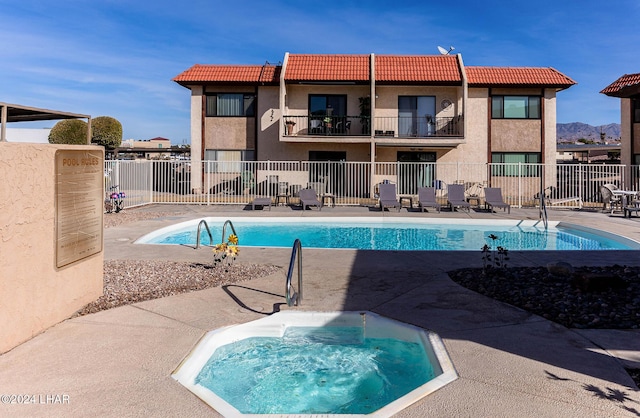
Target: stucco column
[(196, 138), (3, 124)]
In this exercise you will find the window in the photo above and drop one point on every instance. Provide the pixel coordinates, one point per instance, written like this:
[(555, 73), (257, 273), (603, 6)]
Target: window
[(328, 104), (225, 161), (636, 110), (231, 104), (515, 107), (513, 164)]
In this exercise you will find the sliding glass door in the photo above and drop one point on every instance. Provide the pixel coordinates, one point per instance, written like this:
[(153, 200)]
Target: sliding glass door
[(416, 115)]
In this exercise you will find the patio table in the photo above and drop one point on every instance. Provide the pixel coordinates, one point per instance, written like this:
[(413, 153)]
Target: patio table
[(625, 196)]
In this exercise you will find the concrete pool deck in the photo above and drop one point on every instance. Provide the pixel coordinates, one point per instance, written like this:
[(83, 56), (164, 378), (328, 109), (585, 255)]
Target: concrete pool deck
[(510, 363)]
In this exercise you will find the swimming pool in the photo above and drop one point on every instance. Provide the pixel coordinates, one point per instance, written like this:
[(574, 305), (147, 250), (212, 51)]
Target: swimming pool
[(401, 234)]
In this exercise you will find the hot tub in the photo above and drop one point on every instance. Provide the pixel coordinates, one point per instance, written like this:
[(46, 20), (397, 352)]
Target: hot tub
[(310, 363)]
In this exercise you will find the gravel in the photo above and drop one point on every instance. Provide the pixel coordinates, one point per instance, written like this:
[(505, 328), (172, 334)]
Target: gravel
[(584, 297), (132, 281)]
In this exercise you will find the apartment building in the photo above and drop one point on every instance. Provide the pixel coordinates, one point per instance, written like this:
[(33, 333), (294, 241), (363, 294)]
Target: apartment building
[(627, 89), (372, 108)]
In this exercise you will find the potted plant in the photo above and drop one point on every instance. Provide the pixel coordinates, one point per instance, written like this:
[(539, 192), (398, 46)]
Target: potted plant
[(290, 124), (327, 121)]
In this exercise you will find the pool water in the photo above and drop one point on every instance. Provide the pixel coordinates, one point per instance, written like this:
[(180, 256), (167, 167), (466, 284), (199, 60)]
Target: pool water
[(315, 371), (403, 236)]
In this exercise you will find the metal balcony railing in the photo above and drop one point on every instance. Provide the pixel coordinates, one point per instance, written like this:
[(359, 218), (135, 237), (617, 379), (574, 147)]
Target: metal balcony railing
[(326, 125), (418, 127), (383, 126)]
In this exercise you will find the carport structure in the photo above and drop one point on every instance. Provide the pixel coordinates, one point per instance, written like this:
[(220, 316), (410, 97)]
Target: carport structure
[(17, 113)]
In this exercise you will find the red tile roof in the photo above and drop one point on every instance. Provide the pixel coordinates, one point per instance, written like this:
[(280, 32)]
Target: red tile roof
[(249, 74), (438, 69), (624, 86), (517, 76), (425, 68), (327, 68)]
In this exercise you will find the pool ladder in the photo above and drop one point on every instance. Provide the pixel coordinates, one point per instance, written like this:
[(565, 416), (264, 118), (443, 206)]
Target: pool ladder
[(543, 211), (224, 230), (294, 298), (200, 224)]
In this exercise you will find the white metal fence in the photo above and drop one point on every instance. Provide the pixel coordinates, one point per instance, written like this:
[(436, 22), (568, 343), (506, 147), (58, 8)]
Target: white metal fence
[(354, 183)]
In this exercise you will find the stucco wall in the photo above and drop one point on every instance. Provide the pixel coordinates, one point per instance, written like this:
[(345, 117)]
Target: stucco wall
[(229, 133), (474, 150), (515, 135), (34, 294)]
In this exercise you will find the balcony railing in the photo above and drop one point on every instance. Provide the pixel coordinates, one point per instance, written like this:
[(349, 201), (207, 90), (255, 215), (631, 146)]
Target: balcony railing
[(383, 126), (326, 125), (418, 127)]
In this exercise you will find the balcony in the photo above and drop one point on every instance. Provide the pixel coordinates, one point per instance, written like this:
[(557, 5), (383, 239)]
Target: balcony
[(386, 129)]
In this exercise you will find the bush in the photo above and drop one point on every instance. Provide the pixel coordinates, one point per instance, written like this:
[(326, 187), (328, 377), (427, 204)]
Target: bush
[(69, 131), (106, 131)]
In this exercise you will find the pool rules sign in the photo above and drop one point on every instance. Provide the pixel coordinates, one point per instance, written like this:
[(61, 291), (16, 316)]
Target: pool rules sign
[(79, 188)]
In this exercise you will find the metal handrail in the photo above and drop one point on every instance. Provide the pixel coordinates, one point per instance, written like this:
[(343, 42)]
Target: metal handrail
[(296, 298), (224, 228), (202, 222), (543, 211)]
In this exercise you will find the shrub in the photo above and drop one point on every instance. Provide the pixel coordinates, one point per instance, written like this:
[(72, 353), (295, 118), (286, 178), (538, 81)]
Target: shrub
[(106, 131), (69, 131)]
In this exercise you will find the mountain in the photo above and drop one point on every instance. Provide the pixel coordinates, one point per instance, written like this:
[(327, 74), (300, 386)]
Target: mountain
[(571, 132)]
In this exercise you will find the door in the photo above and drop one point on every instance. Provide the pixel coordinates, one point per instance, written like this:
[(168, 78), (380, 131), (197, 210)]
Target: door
[(415, 169), (327, 168), (416, 115)]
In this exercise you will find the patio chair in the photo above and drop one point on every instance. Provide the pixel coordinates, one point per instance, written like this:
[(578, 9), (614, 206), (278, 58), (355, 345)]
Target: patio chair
[(308, 197), (315, 126), (608, 198), (493, 199), (455, 197), (427, 198), (389, 197)]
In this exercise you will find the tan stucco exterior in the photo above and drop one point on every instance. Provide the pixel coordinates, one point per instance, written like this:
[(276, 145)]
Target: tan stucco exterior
[(34, 293), (462, 132)]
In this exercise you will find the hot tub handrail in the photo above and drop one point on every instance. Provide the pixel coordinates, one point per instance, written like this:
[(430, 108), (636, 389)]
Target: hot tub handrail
[(296, 298), (224, 229), (202, 222)]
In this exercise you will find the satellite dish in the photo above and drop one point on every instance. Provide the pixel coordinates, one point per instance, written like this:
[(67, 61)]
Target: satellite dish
[(444, 51)]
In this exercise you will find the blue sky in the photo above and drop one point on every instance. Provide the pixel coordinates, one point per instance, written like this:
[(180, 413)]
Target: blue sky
[(117, 58)]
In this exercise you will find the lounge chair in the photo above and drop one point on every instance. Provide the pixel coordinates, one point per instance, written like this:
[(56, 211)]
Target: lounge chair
[(493, 199), (308, 197), (427, 198), (388, 197), (559, 201), (455, 197), (261, 201), (563, 200)]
